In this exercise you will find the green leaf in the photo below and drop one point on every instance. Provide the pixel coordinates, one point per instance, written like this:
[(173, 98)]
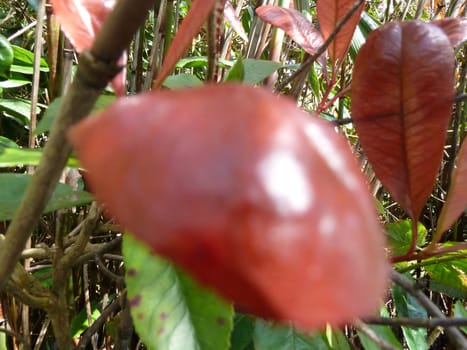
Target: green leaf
[(460, 311), (44, 274), (400, 236), (181, 81), (237, 72), (51, 113), (13, 186), (366, 25), (13, 83), (23, 57), (17, 68), (169, 310), (80, 322), (20, 109), (193, 62), (449, 277), (242, 334), (383, 332), (12, 157), (408, 306), (336, 339), (258, 70), (6, 57), (49, 116), (6, 142), (274, 337), (199, 62)]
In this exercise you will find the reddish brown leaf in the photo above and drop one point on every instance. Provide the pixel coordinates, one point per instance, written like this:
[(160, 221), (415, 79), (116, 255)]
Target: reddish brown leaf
[(402, 95), (330, 13), (257, 199), (294, 24), (454, 28), (456, 202), (232, 18), (191, 25), (81, 20)]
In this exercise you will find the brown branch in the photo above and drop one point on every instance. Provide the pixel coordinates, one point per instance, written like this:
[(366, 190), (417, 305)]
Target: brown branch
[(95, 70), (309, 61), (454, 334)]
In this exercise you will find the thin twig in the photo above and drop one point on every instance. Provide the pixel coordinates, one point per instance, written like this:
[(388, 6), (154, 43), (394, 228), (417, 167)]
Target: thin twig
[(418, 322), (309, 61), (22, 31), (442, 259), (105, 270), (454, 334), (97, 324)]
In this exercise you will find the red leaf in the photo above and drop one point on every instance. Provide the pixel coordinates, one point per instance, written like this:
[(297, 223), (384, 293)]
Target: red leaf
[(81, 20), (454, 28), (191, 25), (402, 95), (330, 13), (294, 24), (257, 199), (232, 18), (456, 202)]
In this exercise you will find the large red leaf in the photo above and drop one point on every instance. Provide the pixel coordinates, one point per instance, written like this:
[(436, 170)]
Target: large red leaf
[(81, 20), (456, 202), (255, 198), (402, 95), (455, 28), (294, 24), (191, 25), (330, 13)]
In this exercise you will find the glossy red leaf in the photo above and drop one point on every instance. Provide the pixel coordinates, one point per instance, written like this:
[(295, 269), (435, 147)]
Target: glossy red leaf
[(191, 25), (257, 199), (330, 13), (294, 24), (81, 20), (454, 28), (402, 95), (456, 201)]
